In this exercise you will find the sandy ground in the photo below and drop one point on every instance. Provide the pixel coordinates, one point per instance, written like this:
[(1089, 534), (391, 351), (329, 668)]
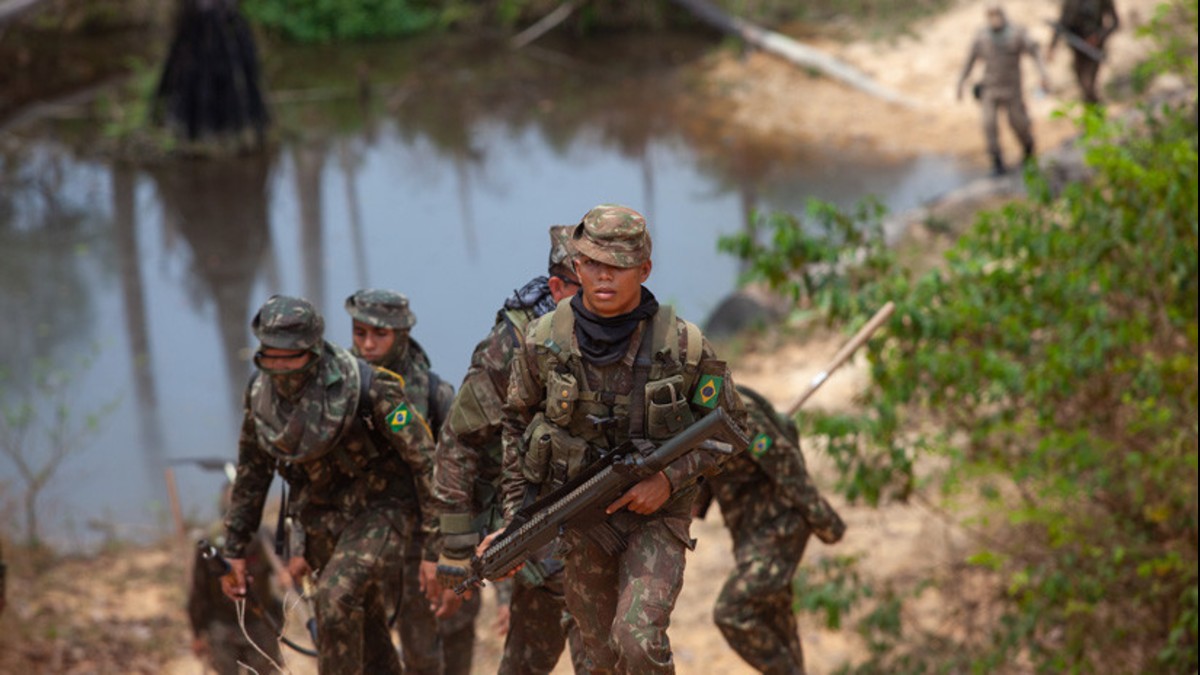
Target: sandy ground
[(134, 600)]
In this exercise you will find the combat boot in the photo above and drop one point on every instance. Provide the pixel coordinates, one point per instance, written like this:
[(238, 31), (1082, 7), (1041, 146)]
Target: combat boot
[(998, 164)]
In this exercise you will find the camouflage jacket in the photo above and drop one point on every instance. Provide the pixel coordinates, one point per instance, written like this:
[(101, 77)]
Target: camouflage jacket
[(770, 480), (555, 398), (429, 394), (469, 453), (1088, 18), (330, 491), (207, 604), (1001, 55)]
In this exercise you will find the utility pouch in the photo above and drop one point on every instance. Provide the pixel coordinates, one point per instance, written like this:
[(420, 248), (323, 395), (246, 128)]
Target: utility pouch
[(667, 409), (551, 452), (562, 392), (536, 460)]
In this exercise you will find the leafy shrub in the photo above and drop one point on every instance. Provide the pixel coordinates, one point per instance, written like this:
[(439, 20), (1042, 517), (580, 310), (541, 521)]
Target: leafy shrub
[(343, 20)]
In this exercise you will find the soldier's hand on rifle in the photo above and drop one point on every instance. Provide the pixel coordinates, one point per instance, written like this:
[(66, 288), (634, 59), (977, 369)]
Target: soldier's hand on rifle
[(483, 546), (644, 498), (233, 584)]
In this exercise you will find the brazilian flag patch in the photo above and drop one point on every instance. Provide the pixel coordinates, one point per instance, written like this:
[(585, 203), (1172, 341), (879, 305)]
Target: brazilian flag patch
[(708, 391), (760, 445), (400, 417)]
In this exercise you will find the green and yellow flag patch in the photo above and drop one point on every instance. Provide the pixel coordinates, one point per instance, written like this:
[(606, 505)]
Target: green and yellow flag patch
[(760, 445), (400, 417), (708, 391)]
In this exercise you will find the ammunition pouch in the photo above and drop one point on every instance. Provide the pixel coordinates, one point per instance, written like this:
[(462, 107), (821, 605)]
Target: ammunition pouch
[(551, 453), (667, 409), (562, 392)]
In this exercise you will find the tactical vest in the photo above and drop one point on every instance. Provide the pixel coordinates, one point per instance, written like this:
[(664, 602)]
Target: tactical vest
[(578, 423)]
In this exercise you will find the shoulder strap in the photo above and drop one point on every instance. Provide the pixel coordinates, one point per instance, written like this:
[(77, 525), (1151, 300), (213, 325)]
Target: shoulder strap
[(641, 375)]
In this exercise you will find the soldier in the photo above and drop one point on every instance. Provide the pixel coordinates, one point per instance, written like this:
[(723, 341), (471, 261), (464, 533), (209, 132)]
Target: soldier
[(1090, 21), (770, 506), (606, 366), (216, 634), (356, 456), (382, 323), (1000, 45), (467, 474)]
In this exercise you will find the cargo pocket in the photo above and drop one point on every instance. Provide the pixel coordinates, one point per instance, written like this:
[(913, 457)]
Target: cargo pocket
[(667, 410), (562, 392), (536, 460)]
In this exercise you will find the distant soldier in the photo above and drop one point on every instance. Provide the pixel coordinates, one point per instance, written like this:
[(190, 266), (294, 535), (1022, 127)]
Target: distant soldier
[(216, 635), (770, 506), (1089, 21), (357, 458), (1000, 45), (606, 366), (381, 329), (467, 475)]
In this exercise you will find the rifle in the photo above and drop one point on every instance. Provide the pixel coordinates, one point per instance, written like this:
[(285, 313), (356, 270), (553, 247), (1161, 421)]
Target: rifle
[(579, 504), (1075, 40)]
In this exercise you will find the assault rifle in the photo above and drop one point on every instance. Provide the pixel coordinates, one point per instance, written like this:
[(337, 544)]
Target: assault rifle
[(579, 504), (1078, 42)]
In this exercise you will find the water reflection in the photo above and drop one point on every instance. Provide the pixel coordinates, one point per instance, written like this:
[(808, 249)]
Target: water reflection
[(440, 183)]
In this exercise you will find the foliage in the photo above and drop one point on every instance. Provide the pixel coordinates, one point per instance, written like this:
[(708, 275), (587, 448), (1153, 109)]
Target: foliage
[(41, 428), (1173, 31), (344, 20), (1050, 366)]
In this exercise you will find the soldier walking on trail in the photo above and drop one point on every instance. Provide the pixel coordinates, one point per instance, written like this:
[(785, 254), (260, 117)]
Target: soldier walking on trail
[(770, 506), (356, 457), (604, 367), (467, 477), (1091, 21), (1000, 45), (381, 329)]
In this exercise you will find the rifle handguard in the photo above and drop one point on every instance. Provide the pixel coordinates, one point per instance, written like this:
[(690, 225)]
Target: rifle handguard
[(579, 504)]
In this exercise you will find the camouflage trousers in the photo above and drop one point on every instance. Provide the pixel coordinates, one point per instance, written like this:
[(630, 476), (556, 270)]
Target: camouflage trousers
[(458, 637), (539, 628), (754, 608), (420, 641), (227, 647), (623, 602), (352, 591), (1018, 119)]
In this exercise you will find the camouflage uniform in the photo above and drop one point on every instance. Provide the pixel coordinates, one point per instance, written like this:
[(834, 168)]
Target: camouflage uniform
[(467, 478), (1001, 51), (770, 506), (214, 618), (359, 493), (562, 409), (1091, 20), (426, 644)]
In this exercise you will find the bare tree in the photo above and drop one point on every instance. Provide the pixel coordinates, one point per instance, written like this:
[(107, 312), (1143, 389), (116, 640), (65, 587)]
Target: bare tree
[(40, 430)]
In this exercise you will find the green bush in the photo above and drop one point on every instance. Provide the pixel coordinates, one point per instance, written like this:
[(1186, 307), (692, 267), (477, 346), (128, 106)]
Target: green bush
[(1051, 365), (344, 20)]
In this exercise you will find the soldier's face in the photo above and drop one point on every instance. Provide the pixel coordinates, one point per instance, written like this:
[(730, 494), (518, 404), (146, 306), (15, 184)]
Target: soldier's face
[(995, 20), (274, 360), (373, 342), (609, 290)]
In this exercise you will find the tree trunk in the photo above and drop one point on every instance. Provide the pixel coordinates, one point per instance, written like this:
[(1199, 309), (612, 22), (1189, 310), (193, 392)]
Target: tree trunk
[(791, 50)]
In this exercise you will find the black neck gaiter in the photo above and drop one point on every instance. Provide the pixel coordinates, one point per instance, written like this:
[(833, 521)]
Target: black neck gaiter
[(605, 339)]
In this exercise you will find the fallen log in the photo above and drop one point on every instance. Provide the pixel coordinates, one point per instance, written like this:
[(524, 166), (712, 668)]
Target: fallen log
[(798, 53)]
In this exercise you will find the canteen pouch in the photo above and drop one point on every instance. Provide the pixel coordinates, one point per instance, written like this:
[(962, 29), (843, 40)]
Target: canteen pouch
[(667, 409), (535, 462), (562, 393)]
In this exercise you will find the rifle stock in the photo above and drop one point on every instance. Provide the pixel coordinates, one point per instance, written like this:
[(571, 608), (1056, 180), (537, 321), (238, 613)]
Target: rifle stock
[(579, 504)]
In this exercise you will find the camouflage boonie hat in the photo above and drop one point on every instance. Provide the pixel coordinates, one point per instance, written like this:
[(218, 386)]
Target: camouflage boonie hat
[(614, 235), (560, 247), (381, 308), (286, 322)]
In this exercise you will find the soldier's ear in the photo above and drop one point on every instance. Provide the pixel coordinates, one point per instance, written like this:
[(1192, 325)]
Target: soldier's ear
[(644, 270)]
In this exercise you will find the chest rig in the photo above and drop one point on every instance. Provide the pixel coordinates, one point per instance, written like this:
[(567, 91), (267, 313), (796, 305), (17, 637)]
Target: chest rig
[(590, 410)]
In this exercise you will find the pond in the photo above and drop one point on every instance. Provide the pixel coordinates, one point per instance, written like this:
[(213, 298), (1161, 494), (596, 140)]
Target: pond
[(431, 169)]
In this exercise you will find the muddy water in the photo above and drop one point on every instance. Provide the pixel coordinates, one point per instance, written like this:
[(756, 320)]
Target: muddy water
[(137, 282)]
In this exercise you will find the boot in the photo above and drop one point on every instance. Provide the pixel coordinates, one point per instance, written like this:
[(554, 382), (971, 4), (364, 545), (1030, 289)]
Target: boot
[(998, 164), (1027, 158)]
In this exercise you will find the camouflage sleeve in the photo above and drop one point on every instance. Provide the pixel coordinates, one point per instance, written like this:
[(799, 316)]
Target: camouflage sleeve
[(526, 395), (972, 56), (409, 435), (714, 374), (255, 470), (439, 406), (474, 420)]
